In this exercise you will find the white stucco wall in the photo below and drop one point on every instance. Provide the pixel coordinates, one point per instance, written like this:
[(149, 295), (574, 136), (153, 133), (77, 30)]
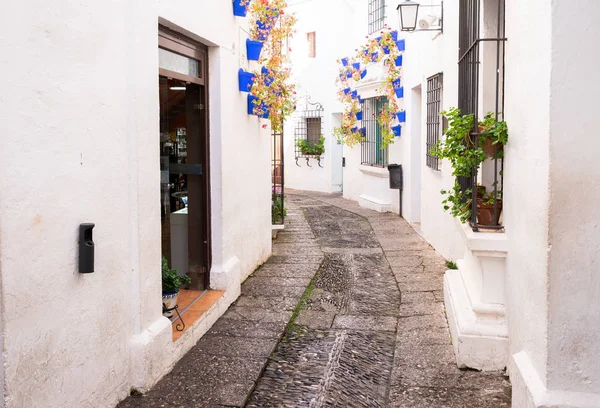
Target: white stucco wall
[(526, 186), (80, 103)]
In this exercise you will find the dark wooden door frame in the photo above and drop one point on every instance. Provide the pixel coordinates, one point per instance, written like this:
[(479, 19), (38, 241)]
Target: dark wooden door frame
[(175, 42)]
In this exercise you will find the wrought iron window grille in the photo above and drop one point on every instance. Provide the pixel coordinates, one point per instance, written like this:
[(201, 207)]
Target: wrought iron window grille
[(309, 127), (278, 211), (376, 15), (470, 66), (370, 149), (434, 122)]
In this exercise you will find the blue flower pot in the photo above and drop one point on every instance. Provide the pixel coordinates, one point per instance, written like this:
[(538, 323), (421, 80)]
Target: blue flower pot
[(348, 74), (359, 115), (386, 49), (245, 80), (378, 39), (363, 131), (354, 94), (374, 56), (398, 61), (400, 45), (253, 49), (399, 92), (396, 83), (268, 79), (356, 65), (359, 99), (251, 104), (394, 35), (263, 30), (346, 91), (239, 10), (345, 62), (354, 129), (397, 130), (401, 116), (363, 73)]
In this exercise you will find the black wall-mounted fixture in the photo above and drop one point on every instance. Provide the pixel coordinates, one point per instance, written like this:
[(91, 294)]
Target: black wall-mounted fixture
[(86, 248), (396, 182)]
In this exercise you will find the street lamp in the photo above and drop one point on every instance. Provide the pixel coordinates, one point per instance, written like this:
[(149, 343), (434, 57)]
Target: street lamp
[(408, 12)]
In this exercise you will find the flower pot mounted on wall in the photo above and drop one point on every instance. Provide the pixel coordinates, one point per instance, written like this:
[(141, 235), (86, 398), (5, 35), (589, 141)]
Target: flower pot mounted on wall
[(345, 62), (401, 116), (262, 107), (346, 91), (356, 65), (398, 61), (359, 115), (363, 73), (400, 45), (397, 130), (253, 49), (485, 212), (245, 80), (240, 8)]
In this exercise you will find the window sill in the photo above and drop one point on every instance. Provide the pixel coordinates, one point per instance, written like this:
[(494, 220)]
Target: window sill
[(381, 172)]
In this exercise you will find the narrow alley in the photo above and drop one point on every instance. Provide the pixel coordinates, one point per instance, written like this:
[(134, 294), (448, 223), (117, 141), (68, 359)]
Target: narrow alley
[(347, 312)]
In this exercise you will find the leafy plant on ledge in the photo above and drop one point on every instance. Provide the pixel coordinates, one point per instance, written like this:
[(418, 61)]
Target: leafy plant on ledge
[(171, 281), (460, 149), (311, 149), (278, 211)]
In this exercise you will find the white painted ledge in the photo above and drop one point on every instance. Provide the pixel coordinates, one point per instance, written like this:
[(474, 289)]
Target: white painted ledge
[(374, 204), (528, 390), (479, 345), (381, 172), (475, 301), (275, 228)]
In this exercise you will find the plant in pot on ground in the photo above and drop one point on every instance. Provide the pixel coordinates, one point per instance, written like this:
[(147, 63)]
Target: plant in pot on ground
[(311, 149), (171, 282), (459, 147), (278, 211)]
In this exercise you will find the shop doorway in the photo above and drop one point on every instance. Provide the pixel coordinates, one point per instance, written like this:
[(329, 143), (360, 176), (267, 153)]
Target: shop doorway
[(184, 158)]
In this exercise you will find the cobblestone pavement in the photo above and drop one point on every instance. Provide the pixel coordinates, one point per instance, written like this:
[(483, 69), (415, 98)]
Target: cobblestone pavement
[(361, 295)]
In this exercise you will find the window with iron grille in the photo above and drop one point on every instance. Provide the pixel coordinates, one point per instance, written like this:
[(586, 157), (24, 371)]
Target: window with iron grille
[(434, 125), (376, 15), (308, 125), (371, 151)]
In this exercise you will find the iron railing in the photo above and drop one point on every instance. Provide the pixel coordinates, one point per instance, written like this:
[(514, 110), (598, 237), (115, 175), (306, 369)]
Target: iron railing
[(471, 65), (277, 178), (371, 148), (433, 123)]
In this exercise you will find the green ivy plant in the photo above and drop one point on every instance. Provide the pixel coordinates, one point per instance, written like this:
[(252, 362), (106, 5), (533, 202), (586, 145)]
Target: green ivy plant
[(171, 281), (459, 148), (311, 149)]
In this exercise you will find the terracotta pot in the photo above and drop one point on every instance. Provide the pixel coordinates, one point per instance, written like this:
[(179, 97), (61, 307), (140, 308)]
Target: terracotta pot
[(489, 148), (480, 192), (485, 212)]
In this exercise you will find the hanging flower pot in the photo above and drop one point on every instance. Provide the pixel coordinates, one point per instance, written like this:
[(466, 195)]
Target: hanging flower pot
[(400, 45), (359, 99), (394, 35), (363, 131), (363, 73), (401, 116), (399, 92), (253, 49), (240, 8), (378, 39), (359, 115), (345, 62), (346, 91), (356, 65), (354, 94), (262, 107), (349, 74), (245, 80), (268, 78), (397, 130), (374, 56), (386, 49), (263, 30), (398, 60)]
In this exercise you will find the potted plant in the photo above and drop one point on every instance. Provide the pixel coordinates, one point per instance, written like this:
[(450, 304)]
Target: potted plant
[(171, 282), (311, 149), (464, 154)]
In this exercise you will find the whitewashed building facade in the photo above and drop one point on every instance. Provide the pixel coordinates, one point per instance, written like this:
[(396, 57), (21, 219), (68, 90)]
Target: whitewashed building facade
[(524, 297), (85, 90)]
